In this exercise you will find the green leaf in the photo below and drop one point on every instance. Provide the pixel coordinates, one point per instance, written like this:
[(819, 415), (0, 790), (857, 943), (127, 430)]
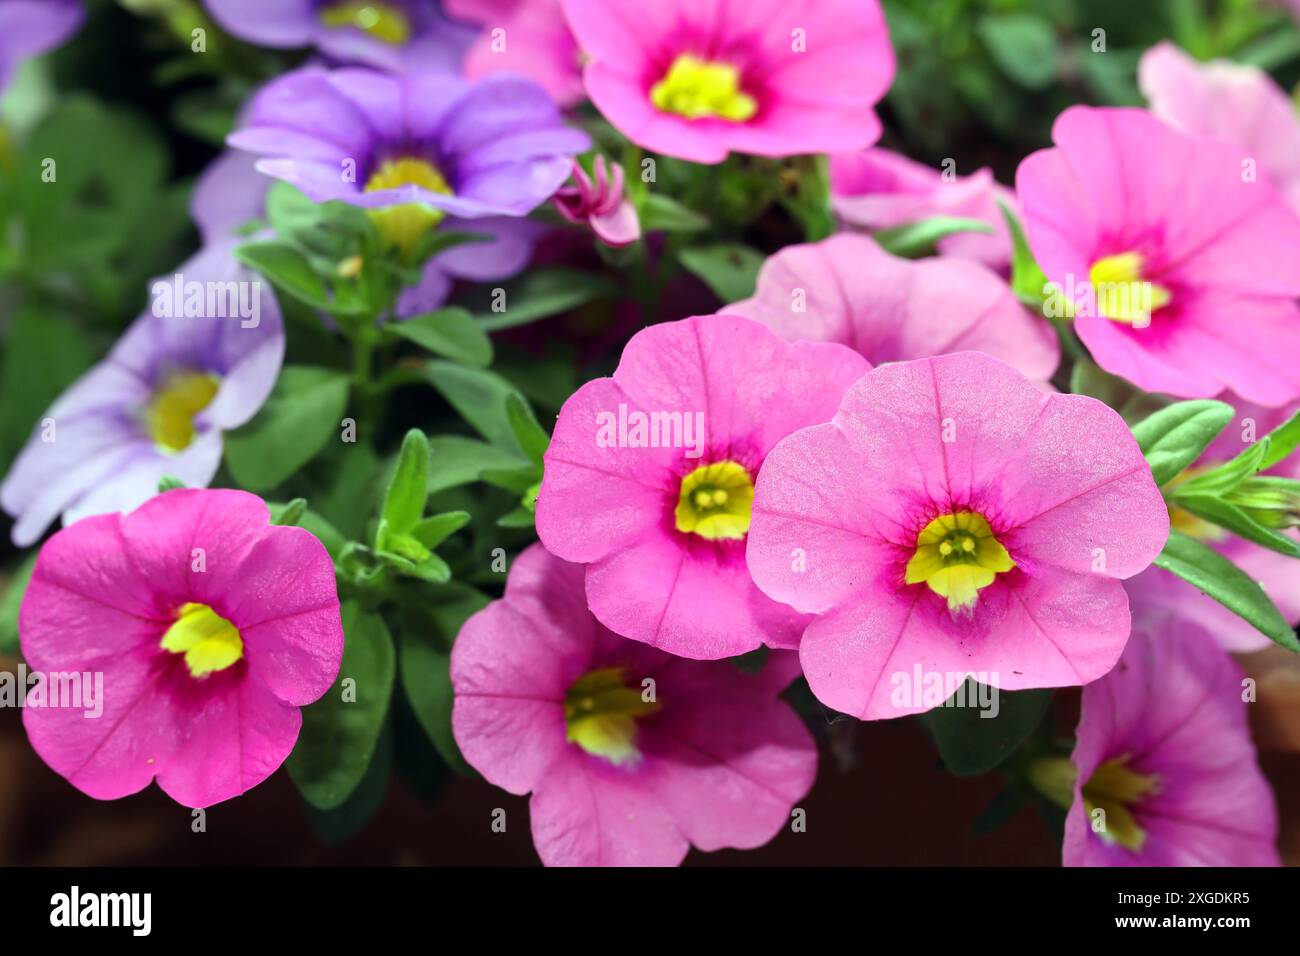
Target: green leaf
[(1028, 281), (1282, 441), (479, 396), (537, 295), (347, 820), (290, 271), (730, 269), (450, 332), (434, 530), (971, 743), (1133, 404), (456, 461), (529, 435), (12, 600), (1227, 476), (1001, 810), (289, 513), (518, 518), (1024, 47), (408, 490), (340, 731), (662, 213), (1174, 437), (915, 239), (1228, 515), (304, 411), (1214, 575)]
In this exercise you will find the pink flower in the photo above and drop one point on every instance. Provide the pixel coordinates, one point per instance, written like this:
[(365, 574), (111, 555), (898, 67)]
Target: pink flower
[(1182, 266), (697, 79), (880, 189), (650, 475), (600, 203), (210, 628), (631, 755), (1229, 101), (535, 42), (847, 289), (1279, 575), (953, 517), (1164, 751)]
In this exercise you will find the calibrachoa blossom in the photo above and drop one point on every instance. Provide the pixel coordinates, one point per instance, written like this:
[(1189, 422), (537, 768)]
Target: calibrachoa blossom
[(30, 27), (1164, 753), (599, 201), (398, 35), (534, 41), (229, 193), (953, 516), (650, 476), (880, 189), (1184, 266), (1235, 102), (420, 152), (199, 362), (697, 79), (631, 755), (211, 629), (847, 289), (1278, 574)]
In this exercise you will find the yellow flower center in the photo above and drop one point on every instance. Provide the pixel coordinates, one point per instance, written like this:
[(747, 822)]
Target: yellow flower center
[(1180, 519), (403, 225), (716, 501), (957, 555), (170, 418), (1116, 790), (700, 89), (209, 642), (601, 713), (1122, 294), (383, 21)]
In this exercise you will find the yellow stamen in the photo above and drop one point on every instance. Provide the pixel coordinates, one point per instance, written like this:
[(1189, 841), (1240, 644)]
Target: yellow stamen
[(957, 555), (699, 89), (403, 225), (1117, 790), (170, 417), (601, 713), (1122, 294), (715, 501), (209, 642), (383, 21)]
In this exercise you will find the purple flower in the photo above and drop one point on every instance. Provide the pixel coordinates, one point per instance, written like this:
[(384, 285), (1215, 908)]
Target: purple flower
[(200, 361), (30, 27), (399, 35), (420, 152), (599, 201)]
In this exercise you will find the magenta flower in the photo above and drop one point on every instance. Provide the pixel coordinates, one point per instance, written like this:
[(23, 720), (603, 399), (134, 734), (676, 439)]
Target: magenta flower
[(599, 202), (1229, 101), (31, 27), (954, 517), (534, 41), (880, 189), (631, 755), (650, 475), (847, 289), (1278, 574), (1166, 773), (1183, 267), (700, 79), (210, 627)]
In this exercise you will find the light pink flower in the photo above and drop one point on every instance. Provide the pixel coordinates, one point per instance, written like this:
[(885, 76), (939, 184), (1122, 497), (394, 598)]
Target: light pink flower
[(211, 629), (1185, 268), (879, 189), (631, 755), (847, 289), (1230, 101), (697, 79), (954, 517), (600, 203), (1164, 750), (660, 513), (535, 43)]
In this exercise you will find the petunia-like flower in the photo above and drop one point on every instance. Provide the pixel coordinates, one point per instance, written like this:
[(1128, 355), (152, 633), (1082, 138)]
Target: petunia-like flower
[(880, 189), (697, 79), (650, 475), (1165, 770), (526, 37), (31, 27), (631, 755), (598, 200), (1278, 574), (955, 518), (847, 289), (403, 36), (1182, 264), (210, 628), (420, 152), (202, 360), (1231, 101)]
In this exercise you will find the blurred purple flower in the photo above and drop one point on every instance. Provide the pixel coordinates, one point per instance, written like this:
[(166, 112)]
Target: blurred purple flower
[(30, 27), (201, 361), (600, 202)]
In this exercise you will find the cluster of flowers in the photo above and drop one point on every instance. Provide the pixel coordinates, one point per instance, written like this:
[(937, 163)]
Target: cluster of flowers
[(886, 477)]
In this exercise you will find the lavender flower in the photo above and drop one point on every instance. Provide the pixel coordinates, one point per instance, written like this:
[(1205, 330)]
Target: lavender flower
[(30, 27)]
